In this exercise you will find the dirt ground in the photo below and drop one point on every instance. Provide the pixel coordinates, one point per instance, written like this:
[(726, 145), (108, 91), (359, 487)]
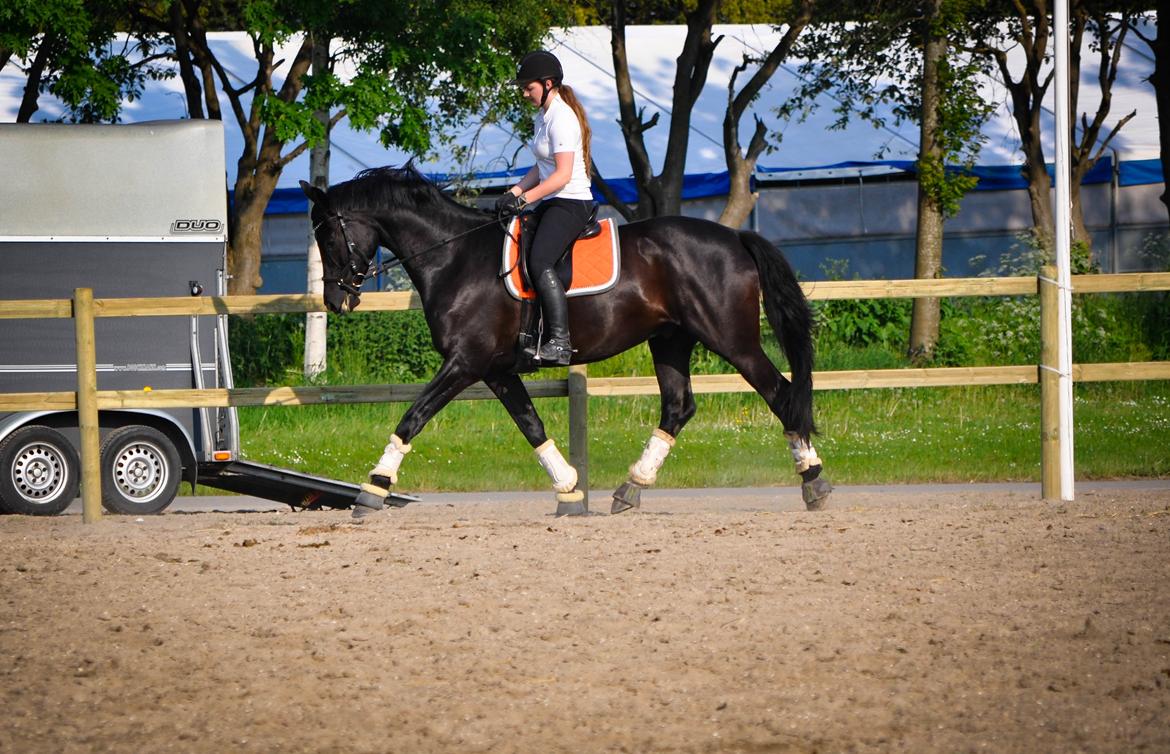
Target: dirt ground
[(958, 621)]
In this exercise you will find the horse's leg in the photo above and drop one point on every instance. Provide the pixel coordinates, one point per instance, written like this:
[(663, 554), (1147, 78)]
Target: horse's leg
[(672, 366), (762, 375), (448, 382), (512, 393)]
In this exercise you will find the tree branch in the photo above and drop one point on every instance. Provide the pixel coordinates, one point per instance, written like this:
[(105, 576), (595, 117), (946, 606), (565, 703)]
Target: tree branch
[(299, 149), (607, 191), (629, 118)]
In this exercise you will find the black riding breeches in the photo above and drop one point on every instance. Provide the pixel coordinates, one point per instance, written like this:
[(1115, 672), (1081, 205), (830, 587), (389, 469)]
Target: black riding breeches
[(558, 223)]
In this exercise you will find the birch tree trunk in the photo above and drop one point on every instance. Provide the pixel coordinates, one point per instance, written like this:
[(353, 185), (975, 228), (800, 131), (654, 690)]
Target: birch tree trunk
[(315, 322)]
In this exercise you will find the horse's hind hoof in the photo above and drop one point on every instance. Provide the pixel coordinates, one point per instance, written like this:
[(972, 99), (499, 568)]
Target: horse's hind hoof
[(572, 504), (816, 493), (626, 497)]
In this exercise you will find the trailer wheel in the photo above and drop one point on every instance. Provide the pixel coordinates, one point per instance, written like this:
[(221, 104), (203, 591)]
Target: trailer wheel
[(141, 471), (39, 472)]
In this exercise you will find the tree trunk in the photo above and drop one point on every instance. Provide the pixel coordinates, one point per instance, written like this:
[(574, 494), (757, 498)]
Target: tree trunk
[(741, 200), (253, 190), (1040, 196), (1080, 231), (183, 53), (740, 167), (244, 249), (315, 322), (662, 194), (924, 320), (32, 87)]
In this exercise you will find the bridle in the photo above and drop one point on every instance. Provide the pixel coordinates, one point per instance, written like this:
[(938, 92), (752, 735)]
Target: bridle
[(357, 276)]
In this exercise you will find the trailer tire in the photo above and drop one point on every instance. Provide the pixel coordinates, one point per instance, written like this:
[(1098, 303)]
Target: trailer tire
[(141, 471), (39, 472)]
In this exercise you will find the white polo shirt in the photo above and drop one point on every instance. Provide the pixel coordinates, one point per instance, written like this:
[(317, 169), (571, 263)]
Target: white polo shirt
[(558, 130)]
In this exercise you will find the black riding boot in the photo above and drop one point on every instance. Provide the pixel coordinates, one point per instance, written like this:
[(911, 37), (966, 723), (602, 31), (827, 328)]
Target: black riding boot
[(555, 349)]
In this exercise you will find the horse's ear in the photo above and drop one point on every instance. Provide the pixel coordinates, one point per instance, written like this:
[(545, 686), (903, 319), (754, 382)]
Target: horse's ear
[(316, 195)]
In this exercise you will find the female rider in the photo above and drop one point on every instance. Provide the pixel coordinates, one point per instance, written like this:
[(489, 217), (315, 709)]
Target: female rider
[(560, 182)]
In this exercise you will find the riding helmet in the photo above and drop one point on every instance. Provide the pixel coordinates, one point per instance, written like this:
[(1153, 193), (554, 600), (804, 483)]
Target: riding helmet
[(538, 66)]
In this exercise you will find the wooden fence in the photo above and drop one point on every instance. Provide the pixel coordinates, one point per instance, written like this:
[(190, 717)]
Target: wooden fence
[(578, 387)]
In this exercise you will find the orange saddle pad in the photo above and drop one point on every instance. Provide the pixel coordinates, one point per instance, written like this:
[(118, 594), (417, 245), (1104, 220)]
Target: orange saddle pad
[(595, 262)]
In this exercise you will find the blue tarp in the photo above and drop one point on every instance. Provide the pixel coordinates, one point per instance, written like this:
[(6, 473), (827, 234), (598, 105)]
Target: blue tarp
[(1141, 172), (991, 177)]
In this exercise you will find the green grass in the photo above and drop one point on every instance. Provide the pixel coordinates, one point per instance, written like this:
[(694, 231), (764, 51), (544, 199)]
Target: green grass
[(867, 437)]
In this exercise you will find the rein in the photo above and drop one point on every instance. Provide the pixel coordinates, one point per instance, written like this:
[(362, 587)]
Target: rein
[(357, 277)]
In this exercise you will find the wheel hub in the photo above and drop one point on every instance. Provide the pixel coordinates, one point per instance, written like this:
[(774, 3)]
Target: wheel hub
[(140, 471), (39, 472)]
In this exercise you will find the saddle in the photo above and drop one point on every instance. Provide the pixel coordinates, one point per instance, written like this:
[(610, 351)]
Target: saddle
[(591, 265)]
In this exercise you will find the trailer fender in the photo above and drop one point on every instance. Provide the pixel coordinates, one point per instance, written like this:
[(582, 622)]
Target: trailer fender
[(113, 419)]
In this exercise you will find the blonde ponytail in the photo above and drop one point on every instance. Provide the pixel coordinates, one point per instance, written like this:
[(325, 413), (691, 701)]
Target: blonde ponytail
[(571, 100)]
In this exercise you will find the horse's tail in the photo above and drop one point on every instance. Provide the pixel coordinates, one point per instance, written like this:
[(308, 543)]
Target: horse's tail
[(792, 320)]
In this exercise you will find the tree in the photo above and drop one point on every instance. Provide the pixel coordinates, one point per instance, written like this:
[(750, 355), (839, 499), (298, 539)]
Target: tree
[(901, 56), (740, 165), (421, 67), (69, 48), (1160, 80), (660, 194), (1028, 28)]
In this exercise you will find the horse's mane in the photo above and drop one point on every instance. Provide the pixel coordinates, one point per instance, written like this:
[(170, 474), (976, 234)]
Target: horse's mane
[(377, 188)]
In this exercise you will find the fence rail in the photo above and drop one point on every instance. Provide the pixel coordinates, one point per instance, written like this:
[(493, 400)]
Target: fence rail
[(87, 400)]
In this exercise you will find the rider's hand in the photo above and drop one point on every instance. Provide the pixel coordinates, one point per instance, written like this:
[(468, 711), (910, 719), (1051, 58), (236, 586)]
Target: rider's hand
[(509, 205)]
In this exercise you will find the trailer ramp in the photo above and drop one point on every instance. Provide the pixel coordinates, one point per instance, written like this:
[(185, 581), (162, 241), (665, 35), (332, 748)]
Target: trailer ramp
[(293, 488)]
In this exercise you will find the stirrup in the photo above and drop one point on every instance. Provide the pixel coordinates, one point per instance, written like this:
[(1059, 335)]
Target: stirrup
[(555, 351)]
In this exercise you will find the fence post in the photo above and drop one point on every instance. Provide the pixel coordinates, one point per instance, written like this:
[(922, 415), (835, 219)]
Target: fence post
[(87, 412), (1049, 379), (579, 426)]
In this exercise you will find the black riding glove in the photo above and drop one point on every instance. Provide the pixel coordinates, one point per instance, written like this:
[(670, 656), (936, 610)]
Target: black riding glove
[(509, 205)]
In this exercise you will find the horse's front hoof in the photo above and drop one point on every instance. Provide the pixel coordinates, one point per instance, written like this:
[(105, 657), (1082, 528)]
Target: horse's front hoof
[(362, 513), (816, 493), (626, 497), (366, 503), (572, 504)]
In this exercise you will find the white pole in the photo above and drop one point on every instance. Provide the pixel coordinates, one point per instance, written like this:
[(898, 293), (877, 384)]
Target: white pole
[(1063, 239)]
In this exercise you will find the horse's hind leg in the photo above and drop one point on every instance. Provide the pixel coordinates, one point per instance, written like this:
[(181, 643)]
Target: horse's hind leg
[(512, 393), (762, 375), (672, 366)]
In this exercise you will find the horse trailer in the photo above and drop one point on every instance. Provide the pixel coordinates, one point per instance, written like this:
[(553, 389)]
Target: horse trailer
[(129, 211)]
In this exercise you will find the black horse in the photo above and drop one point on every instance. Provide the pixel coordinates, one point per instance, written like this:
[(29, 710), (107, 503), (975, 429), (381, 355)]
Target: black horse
[(683, 281)]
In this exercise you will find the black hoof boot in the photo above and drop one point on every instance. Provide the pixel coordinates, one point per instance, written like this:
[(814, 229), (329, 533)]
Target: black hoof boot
[(627, 497), (816, 493), (572, 504)]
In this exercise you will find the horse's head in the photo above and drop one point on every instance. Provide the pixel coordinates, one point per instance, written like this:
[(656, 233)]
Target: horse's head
[(347, 243)]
